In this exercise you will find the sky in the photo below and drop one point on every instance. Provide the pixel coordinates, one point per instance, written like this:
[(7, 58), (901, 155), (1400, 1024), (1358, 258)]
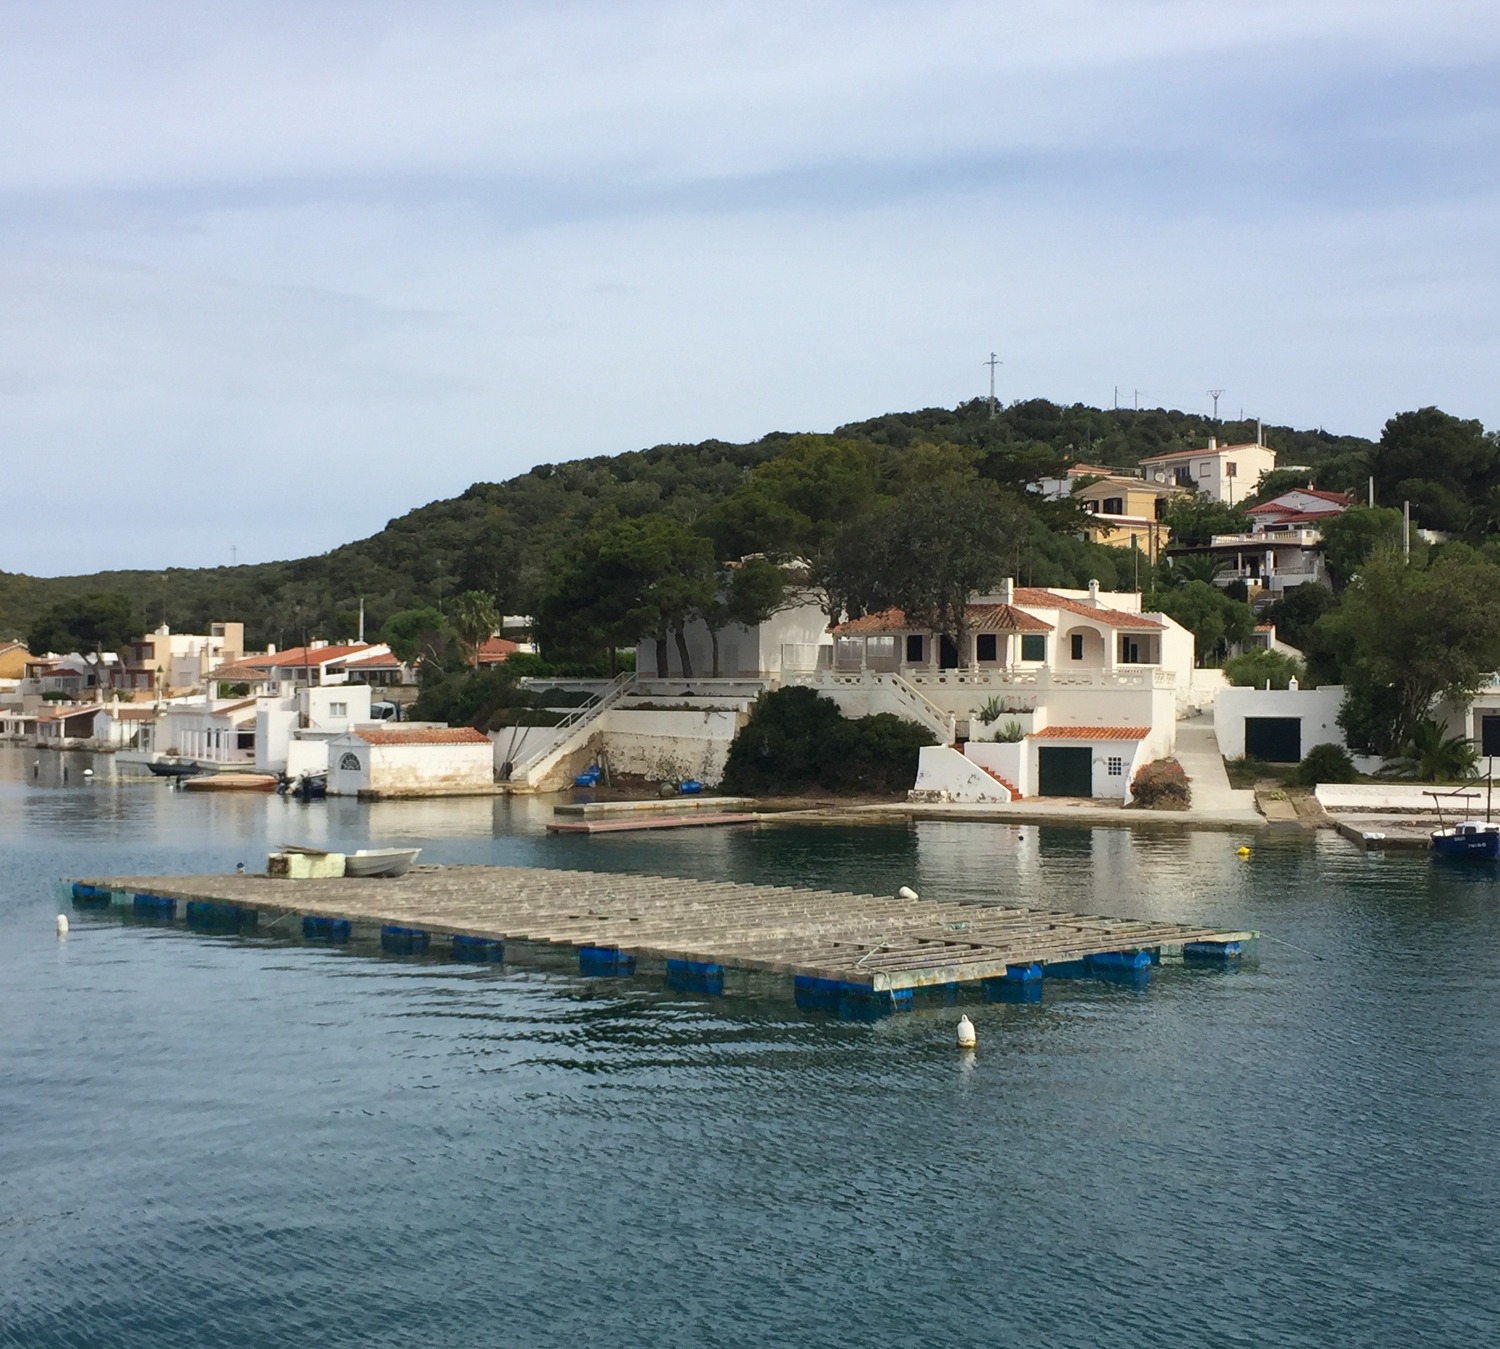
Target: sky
[(274, 273)]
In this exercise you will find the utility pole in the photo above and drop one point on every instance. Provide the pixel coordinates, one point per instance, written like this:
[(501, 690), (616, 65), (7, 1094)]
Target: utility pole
[(992, 363), (1214, 394)]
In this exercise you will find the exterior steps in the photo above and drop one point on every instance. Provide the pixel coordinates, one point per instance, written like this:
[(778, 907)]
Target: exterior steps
[(1015, 794)]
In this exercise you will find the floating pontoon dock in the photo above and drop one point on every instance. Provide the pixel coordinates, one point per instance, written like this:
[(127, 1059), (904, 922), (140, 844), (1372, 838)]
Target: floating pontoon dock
[(832, 944)]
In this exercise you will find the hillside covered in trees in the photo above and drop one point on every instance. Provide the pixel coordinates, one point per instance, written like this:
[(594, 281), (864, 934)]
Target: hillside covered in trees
[(509, 539)]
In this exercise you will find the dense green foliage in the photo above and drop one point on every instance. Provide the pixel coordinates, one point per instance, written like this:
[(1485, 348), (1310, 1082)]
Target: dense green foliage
[(1432, 755), (501, 538), (103, 621), (796, 740), (1324, 763), (1407, 633), (1262, 669), (1215, 620)]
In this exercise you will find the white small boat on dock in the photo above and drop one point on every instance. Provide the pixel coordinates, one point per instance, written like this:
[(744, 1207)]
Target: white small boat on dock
[(372, 862)]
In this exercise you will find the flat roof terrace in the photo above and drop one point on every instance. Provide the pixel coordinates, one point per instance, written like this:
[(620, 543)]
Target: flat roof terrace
[(829, 940)]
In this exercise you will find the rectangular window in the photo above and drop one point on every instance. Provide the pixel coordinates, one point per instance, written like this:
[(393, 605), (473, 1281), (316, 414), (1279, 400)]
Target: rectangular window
[(338, 709), (1116, 767), (1114, 505), (1206, 469), (1229, 468), (1033, 646), (1130, 651), (1077, 641), (914, 648), (1183, 476), (244, 740), (987, 645)]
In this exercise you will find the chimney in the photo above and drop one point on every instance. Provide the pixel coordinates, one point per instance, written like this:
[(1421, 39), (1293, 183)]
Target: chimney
[(1094, 593), (1008, 591), (1213, 444)]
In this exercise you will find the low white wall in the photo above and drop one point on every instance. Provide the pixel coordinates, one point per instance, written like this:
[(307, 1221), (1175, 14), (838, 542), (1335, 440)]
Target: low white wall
[(943, 773), (669, 745), (1400, 796), (1316, 708)]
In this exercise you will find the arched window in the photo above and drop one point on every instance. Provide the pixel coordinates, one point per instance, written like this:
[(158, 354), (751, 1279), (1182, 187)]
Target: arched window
[(350, 763)]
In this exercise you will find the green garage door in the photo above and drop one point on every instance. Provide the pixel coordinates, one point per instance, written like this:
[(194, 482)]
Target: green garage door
[(1274, 739), (1065, 772)]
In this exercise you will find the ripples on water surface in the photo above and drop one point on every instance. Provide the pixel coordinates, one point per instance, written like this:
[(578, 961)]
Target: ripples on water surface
[(217, 1141)]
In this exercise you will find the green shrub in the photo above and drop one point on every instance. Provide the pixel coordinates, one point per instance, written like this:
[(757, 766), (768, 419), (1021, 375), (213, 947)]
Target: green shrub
[(1255, 668), (796, 739), (1324, 763), (1161, 785), (1012, 733)]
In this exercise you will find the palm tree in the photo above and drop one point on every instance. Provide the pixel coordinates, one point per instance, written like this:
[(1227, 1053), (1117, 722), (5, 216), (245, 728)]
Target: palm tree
[(474, 620), (1197, 567), (1432, 756)]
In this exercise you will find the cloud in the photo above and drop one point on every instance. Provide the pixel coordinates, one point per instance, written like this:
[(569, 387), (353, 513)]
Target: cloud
[(301, 267)]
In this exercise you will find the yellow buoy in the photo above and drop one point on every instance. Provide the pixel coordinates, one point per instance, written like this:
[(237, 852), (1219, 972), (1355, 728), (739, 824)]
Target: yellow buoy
[(1242, 851)]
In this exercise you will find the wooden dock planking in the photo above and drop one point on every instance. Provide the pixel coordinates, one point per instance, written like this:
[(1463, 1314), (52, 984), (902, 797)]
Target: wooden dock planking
[(867, 941), (627, 826)]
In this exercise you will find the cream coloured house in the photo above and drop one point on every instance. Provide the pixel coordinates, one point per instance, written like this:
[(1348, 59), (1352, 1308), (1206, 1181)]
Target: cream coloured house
[(1224, 473)]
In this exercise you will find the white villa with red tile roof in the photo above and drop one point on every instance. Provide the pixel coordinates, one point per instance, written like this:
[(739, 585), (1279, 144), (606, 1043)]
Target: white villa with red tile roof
[(1283, 547), (1089, 684)]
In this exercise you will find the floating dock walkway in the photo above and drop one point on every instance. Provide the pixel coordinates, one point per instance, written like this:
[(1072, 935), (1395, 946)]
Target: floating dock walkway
[(833, 945)]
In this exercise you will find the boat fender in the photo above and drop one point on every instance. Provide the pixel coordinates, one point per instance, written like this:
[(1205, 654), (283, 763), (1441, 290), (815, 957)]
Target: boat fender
[(966, 1037), (62, 925), (906, 892)]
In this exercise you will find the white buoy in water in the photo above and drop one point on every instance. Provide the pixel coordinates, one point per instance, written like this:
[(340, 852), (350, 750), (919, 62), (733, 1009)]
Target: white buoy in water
[(62, 925), (906, 892), (88, 772), (966, 1037)]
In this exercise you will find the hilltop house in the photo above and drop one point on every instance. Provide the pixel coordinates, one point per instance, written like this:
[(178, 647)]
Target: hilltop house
[(1224, 473), (1124, 511)]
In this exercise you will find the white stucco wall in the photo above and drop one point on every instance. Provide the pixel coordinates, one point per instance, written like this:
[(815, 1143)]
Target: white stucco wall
[(1316, 708), (662, 745), (274, 723), (743, 652), (1010, 759), (942, 772), (418, 768)]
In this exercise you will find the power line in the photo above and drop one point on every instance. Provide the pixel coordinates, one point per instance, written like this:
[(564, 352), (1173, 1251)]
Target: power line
[(992, 363)]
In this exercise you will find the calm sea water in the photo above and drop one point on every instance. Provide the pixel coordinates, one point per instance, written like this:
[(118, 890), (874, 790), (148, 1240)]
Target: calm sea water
[(243, 1142)]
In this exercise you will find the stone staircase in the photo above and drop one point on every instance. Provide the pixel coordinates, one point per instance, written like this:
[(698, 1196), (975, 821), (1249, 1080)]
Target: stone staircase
[(1015, 792)]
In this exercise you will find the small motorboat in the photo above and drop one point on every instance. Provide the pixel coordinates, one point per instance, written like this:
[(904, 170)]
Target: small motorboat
[(1479, 839), (1475, 839), (230, 782), (305, 786), (175, 768), (372, 862)]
